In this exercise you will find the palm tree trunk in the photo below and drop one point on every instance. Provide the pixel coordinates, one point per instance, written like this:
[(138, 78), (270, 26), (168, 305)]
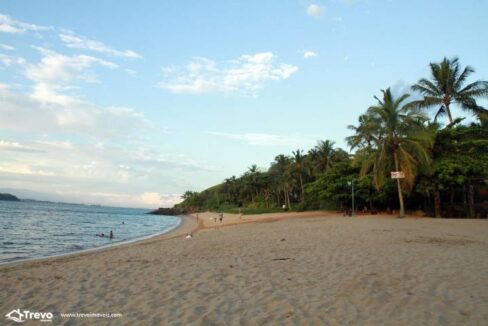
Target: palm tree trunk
[(303, 190), (448, 113), (400, 195), (284, 196), (437, 202), (288, 197), (471, 201)]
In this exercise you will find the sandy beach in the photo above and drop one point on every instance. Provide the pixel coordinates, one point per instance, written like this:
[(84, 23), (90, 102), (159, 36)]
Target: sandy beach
[(310, 268)]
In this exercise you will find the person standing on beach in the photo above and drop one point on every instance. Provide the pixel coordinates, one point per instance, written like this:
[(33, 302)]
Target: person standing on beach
[(221, 217), (111, 235)]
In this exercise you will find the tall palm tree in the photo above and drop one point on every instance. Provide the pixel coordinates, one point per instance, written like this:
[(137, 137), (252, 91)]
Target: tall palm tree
[(252, 178), (364, 133), (280, 175), (322, 155), (299, 165), (401, 142), (446, 87)]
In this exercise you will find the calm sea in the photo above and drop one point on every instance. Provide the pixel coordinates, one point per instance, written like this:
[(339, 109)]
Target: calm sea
[(35, 229)]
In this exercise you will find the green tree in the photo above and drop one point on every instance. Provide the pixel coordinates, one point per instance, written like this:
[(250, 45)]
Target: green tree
[(322, 156), (401, 142), (364, 133), (281, 177), (446, 87), (300, 169), (460, 168)]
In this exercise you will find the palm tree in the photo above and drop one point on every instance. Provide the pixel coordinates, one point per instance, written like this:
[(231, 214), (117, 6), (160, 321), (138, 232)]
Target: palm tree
[(364, 133), (252, 177), (299, 165), (280, 176), (446, 88), (322, 155), (400, 142)]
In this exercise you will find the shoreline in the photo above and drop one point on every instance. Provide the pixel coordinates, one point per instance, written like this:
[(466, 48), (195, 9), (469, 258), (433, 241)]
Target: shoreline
[(188, 224), (289, 268), (184, 220)]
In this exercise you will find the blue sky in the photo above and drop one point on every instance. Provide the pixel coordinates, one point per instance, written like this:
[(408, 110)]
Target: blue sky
[(132, 103)]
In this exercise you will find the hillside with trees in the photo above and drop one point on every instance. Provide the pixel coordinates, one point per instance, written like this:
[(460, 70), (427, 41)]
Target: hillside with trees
[(8, 197), (443, 169)]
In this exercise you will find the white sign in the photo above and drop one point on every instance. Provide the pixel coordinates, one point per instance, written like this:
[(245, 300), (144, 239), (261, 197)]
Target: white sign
[(397, 175)]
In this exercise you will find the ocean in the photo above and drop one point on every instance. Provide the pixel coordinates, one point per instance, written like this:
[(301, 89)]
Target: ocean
[(31, 229)]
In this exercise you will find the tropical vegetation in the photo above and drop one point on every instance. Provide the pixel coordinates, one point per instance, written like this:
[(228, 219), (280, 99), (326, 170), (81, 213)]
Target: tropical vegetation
[(440, 170)]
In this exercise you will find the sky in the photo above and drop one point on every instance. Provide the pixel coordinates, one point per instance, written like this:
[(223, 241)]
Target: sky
[(131, 103)]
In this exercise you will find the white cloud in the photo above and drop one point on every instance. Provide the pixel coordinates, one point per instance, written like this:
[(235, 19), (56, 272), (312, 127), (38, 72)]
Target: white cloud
[(5, 60), (23, 169), (261, 139), (245, 75), (6, 145), (87, 172), (156, 199), (309, 54), (7, 47), (23, 113), (315, 10), (79, 42), (9, 25), (130, 72), (55, 71), (9, 60)]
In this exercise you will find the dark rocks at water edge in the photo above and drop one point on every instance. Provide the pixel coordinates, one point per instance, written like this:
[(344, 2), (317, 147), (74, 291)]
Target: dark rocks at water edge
[(168, 211), (8, 197)]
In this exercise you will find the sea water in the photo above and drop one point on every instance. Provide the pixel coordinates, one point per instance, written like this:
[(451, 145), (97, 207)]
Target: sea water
[(31, 229)]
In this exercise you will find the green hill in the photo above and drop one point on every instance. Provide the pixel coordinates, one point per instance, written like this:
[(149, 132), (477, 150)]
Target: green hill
[(8, 197)]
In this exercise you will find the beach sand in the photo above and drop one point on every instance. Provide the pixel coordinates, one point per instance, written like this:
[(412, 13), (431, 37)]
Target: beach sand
[(309, 268)]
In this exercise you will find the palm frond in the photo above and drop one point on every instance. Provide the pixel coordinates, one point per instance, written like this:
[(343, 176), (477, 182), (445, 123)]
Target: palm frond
[(426, 87), (440, 113), (462, 78), (476, 89)]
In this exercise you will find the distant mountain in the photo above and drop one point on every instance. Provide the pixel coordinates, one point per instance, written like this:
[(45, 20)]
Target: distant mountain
[(8, 197), (38, 196)]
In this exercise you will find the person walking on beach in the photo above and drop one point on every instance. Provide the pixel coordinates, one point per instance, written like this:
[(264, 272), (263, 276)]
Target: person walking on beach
[(221, 217)]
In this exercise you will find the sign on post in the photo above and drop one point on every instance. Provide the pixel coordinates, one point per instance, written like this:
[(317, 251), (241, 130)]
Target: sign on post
[(397, 175)]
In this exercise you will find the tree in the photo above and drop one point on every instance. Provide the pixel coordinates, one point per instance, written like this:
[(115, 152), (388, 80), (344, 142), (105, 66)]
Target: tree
[(460, 167), (250, 181), (364, 133), (322, 156), (446, 87), (299, 166), (280, 177), (401, 142)]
